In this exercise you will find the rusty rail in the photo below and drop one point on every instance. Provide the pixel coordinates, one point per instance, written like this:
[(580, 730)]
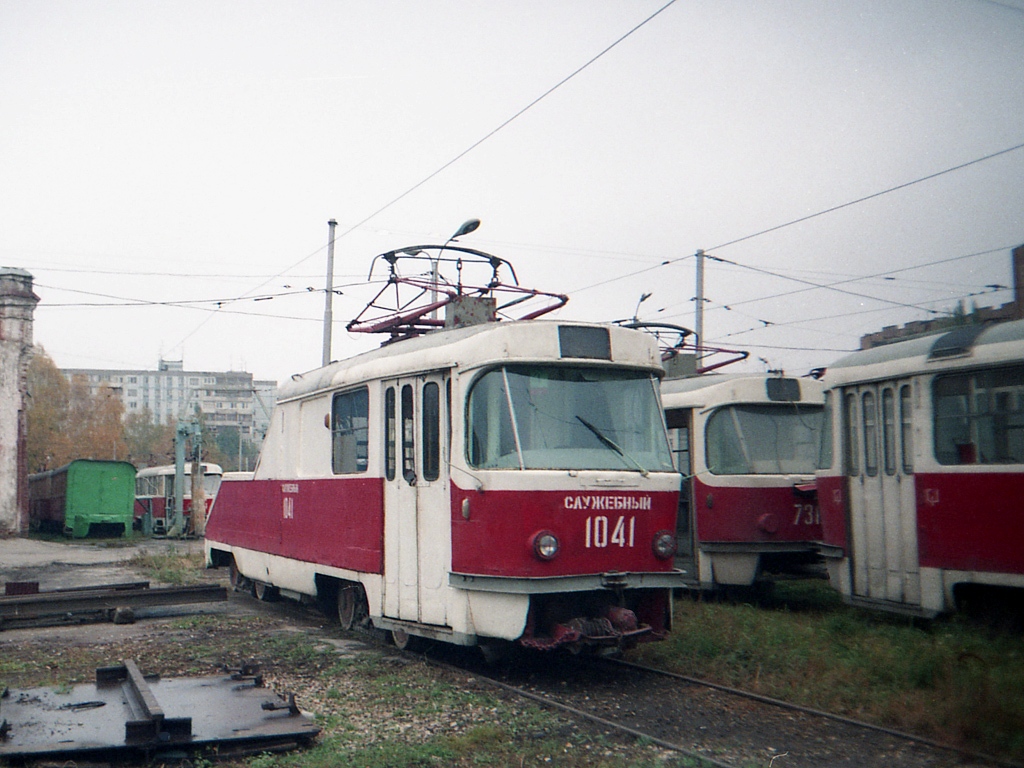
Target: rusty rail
[(109, 602)]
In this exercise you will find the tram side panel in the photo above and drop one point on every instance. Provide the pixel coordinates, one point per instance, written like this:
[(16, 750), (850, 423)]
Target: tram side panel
[(336, 523), (921, 479), (971, 521)]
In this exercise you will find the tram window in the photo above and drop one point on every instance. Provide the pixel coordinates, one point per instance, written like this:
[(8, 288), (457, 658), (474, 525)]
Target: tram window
[(491, 439), (889, 431), (952, 427), (408, 436), (763, 439), (678, 422), (870, 434), (825, 451), (389, 433), (850, 432), (431, 415), (979, 417), (350, 431), (448, 410), (566, 417), (906, 430)]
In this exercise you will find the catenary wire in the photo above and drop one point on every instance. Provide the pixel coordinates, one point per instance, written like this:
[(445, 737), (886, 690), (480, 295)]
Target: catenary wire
[(811, 285), (792, 222), (460, 155)]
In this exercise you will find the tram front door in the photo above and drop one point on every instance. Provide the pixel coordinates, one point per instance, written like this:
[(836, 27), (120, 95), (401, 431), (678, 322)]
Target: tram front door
[(878, 459), (679, 423), (417, 540)]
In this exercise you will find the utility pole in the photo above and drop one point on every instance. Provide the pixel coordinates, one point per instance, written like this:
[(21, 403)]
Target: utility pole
[(698, 324), (329, 293)]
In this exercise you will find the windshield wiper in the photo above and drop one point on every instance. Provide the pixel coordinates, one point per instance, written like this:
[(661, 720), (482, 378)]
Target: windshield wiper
[(609, 443)]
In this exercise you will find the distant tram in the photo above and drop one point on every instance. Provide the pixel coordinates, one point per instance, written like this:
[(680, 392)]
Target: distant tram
[(922, 471), (747, 445), (485, 482), (82, 498), (154, 493)]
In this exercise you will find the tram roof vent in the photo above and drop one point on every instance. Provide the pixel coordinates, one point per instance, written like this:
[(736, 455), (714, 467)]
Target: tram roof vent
[(679, 365), (955, 343), (462, 311)]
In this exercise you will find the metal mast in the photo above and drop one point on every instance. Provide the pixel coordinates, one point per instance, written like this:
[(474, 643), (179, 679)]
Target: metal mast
[(698, 323), (329, 293)]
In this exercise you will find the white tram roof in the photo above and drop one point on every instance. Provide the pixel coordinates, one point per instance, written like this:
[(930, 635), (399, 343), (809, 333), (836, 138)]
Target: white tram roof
[(168, 469), (710, 389), (966, 346), (472, 347)]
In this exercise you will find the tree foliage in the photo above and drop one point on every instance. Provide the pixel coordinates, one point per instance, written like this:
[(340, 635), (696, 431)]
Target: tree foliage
[(226, 451), (66, 421), (46, 414), (149, 443)]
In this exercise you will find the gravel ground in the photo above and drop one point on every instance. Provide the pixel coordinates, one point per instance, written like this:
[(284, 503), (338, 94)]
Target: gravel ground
[(736, 731), (386, 700)]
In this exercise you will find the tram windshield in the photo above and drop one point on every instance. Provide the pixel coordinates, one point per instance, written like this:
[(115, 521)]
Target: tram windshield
[(763, 439), (563, 417)]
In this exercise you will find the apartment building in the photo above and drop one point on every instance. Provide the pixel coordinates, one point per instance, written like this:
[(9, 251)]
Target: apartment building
[(225, 398)]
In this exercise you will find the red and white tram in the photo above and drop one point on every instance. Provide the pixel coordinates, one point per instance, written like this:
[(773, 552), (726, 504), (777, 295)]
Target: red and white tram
[(922, 474), (504, 481), (154, 494), (747, 446)]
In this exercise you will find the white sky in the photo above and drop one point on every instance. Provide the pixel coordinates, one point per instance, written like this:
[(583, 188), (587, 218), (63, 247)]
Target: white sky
[(194, 151)]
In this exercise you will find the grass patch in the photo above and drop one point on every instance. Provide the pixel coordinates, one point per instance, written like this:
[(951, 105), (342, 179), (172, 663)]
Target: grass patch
[(174, 567), (949, 680)]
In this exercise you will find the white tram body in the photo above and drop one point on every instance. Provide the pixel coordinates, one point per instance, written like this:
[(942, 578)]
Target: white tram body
[(747, 446), (922, 475), (154, 493), (504, 481)]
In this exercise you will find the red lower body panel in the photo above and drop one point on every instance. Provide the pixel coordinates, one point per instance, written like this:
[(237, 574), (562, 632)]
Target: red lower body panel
[(334, 522)]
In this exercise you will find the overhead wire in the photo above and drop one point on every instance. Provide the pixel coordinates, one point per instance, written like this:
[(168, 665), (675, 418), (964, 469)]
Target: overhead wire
[(461, 154), (831, 209), (811, 285), (122, 301)]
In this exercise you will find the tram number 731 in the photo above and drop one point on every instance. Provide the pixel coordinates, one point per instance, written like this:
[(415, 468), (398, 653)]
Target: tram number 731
[(806, 514), (621, 533)]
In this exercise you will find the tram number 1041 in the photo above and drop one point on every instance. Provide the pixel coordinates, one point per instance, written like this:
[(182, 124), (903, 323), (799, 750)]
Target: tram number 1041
[(601, 533)]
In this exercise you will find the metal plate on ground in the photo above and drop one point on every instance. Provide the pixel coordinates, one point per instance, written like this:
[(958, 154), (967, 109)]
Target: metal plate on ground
[(124, 712)]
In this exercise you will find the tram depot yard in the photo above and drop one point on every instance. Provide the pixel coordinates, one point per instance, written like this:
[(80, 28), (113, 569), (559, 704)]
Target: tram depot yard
[(293, 648), (377, 708)]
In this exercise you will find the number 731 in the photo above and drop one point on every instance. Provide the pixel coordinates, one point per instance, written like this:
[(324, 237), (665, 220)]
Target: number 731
[(807, 514)]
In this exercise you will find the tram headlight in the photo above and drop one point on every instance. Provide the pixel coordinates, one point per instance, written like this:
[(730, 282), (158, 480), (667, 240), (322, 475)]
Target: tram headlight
[(664, 544), (545, 545)]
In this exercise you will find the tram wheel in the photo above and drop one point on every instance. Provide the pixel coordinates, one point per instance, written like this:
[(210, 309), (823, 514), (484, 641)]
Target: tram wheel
[(405, 642), (352, 607), (238, 581), (265, 592)]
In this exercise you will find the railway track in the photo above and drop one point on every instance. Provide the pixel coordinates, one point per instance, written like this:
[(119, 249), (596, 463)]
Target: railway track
[(712, 724)]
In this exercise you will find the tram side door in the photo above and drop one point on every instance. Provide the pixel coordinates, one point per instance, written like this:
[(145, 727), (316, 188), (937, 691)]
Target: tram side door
[(417, 521), (880, 473), (679, 422)]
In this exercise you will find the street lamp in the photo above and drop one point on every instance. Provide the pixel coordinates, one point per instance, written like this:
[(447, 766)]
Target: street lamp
[(469, 225)]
